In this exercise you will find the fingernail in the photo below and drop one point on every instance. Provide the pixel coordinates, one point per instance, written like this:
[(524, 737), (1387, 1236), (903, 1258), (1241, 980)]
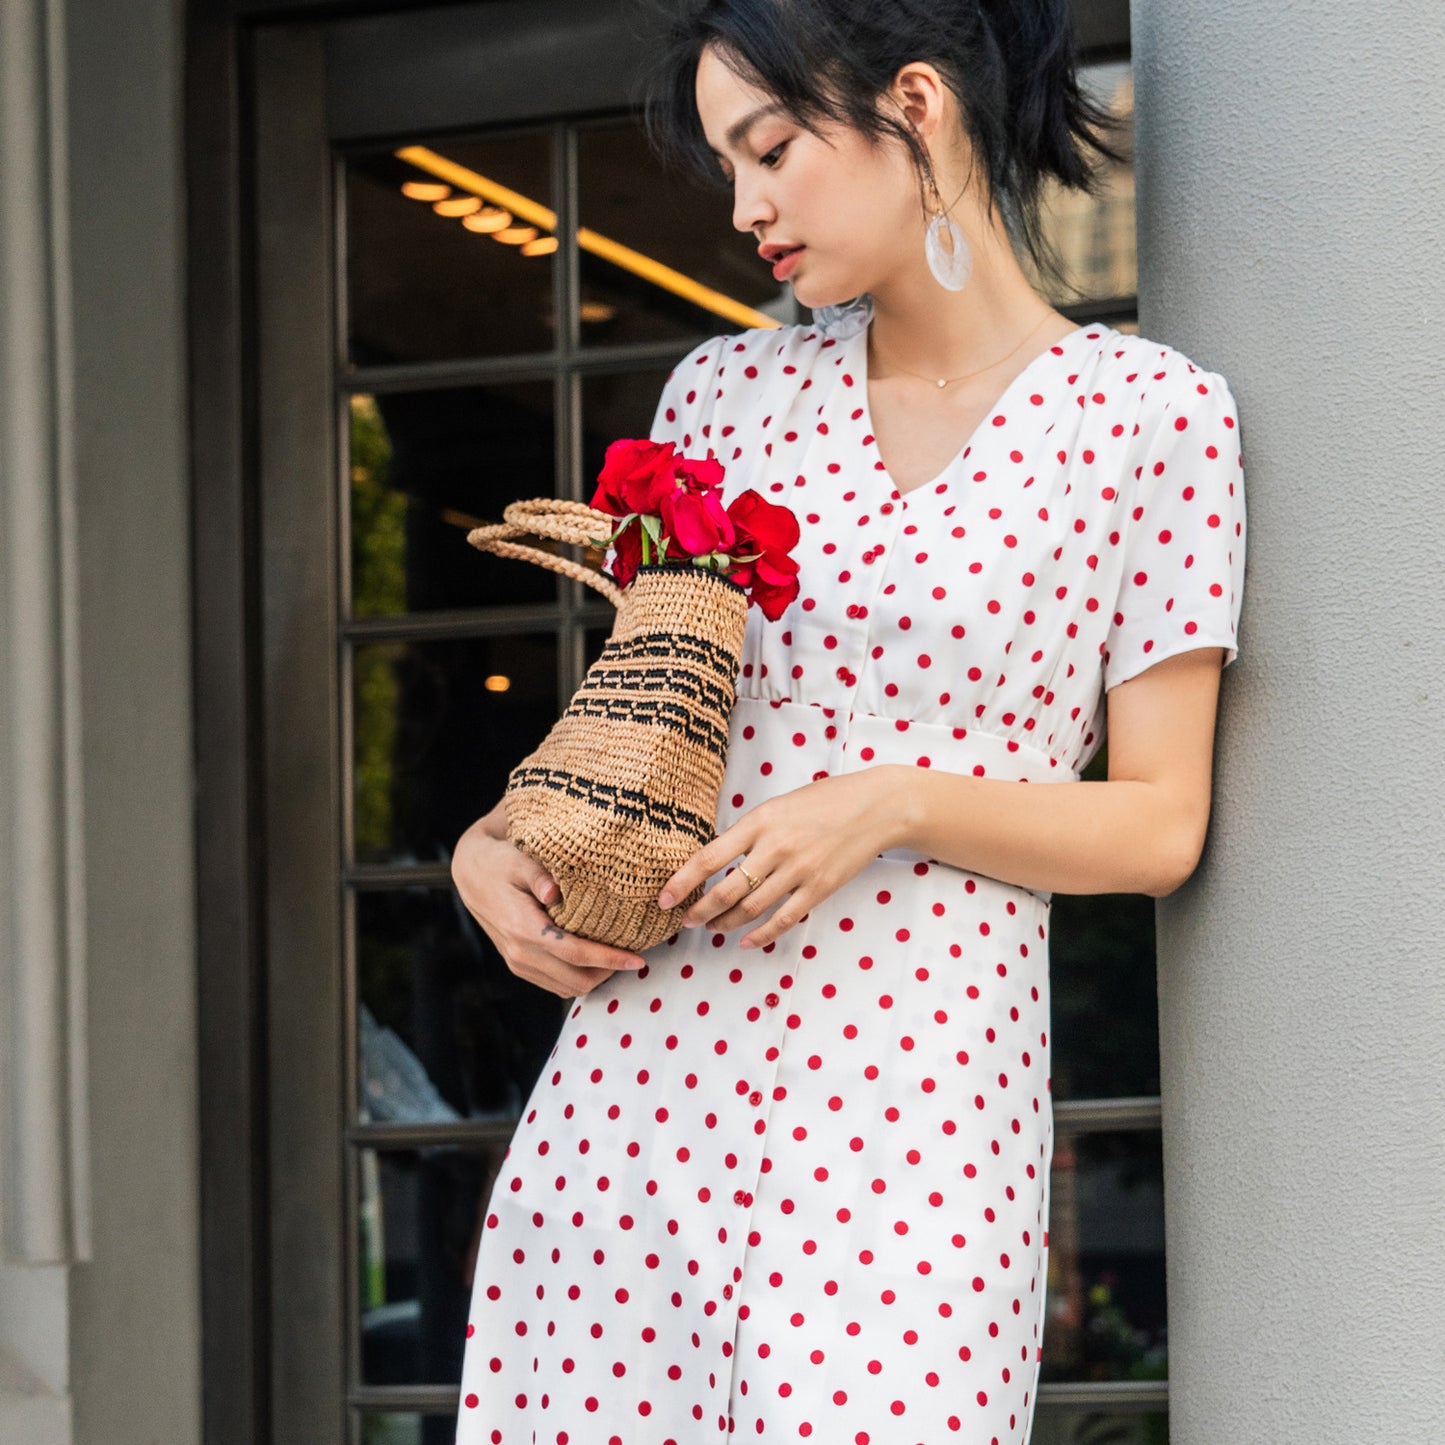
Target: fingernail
[(666, 900), (746, 943)]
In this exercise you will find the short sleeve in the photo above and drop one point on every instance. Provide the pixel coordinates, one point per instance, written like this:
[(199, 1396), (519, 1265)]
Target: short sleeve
[(1182, 580), (683, 409)]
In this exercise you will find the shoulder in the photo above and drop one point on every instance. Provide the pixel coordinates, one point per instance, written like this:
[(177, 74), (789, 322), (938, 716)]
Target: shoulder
[(732, 385), (1167, 384), (759, 351)]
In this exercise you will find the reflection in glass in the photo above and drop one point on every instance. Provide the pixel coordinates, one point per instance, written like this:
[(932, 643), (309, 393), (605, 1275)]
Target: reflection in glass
[(446, 1031), (426, 467), (1095, 235), (428, 278), (438, 727), (615, 404), (1058, 1426), (1106, 1317), (625, 197), (419, 1221), (400, 1429), (1105, 1004)]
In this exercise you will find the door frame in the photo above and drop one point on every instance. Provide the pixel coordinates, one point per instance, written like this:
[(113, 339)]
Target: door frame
[(258, 94)]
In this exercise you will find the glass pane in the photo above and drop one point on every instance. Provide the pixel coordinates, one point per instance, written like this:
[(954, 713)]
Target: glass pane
[(419, 1219), (398, 1429), (1104, 996), (446, 1030), (659, 257), (1054, 1426), (438, 727), (615, 404), (1106, 1317), (426, 467), (1094, 235), (449, 249)]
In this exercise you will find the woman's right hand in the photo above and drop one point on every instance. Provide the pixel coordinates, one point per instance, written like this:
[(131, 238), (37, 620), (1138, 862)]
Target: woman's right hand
[(505, 891)]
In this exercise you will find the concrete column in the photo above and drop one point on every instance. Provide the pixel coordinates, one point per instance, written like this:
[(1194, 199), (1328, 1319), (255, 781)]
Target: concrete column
[(135, 1307), (99, 1231), (1291, 195)]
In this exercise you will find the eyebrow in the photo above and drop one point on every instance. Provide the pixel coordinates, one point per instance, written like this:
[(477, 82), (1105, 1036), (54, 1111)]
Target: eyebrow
[(738, 129)]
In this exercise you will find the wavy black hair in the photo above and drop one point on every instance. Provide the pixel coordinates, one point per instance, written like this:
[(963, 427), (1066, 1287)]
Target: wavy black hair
[(1010, 63)]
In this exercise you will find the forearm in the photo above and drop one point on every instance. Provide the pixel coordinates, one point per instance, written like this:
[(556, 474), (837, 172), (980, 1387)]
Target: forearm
[(1120, 836), (494, 824)]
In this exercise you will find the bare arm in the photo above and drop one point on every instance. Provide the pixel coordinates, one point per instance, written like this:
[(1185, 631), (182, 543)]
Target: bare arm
[(508, 893), (1141, 831)]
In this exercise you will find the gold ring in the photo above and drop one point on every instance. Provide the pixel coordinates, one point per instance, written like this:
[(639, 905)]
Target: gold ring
[(752, 882)]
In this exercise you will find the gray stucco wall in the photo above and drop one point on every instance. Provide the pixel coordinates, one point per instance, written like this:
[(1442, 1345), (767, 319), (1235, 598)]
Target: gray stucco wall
[(135, 1317), (1292, 197)]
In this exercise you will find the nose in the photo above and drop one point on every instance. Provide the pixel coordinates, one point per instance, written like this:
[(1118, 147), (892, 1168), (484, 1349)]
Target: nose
[(751, 206)]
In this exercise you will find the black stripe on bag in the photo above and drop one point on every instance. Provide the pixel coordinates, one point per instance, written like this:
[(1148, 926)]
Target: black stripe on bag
[(654, 712), (674, 646), (626, 802), (676, 682)]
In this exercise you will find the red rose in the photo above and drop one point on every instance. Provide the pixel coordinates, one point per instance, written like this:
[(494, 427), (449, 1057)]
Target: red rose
[(773, 599), (635, 476), (774, 528), (770, 531), (696, 523), (700, 474), (628, 554)]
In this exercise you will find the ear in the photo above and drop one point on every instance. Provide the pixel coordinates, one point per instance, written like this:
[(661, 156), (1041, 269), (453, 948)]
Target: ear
[(921, 97)]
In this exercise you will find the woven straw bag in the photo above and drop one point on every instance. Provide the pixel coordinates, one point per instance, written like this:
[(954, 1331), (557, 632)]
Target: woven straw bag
[(624, 788)]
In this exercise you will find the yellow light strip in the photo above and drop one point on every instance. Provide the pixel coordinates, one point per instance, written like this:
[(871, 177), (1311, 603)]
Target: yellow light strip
[(526, 209)]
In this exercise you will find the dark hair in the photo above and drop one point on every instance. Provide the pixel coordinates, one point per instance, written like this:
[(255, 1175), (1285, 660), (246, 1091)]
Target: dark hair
[(1010, 63)]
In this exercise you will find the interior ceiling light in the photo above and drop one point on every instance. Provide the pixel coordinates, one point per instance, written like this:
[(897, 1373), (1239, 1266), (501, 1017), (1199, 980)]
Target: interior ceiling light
[(526, 209), (596, 311), (458, 206), (542, 246), (497, 682), (425, 191), (515, 235), (488, 219)]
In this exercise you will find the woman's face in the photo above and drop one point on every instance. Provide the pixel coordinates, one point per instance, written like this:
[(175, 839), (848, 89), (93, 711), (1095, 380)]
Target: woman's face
[(851, 207)]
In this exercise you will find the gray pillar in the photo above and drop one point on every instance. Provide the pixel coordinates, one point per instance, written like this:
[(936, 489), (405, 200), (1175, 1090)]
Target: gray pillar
[(1292, 198), (99, 1226)]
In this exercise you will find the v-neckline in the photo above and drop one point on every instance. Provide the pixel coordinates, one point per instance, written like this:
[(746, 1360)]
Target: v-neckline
[(860, 368)]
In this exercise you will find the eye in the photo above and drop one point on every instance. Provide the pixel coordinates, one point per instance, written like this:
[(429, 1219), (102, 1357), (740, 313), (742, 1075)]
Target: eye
[(773, 156)]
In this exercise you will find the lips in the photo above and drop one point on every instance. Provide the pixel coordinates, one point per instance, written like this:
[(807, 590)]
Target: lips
[(774, 252)]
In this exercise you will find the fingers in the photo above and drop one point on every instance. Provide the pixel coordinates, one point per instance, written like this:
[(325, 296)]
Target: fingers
[(733, 893), (508, 893), (580, 953), (543, 886), (703, 864)]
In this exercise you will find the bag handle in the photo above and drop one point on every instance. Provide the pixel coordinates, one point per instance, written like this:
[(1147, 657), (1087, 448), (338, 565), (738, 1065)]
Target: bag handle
[(560, 520)]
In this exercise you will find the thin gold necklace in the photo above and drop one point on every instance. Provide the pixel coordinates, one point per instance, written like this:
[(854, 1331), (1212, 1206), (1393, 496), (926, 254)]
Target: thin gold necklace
[(942, 381)]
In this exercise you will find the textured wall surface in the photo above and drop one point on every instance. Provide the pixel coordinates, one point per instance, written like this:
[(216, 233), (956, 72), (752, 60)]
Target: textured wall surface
[(1292, 197), (135, 1341)]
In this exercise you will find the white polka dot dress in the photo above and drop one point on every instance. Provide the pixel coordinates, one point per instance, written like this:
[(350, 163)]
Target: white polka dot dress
[(800, 1193)]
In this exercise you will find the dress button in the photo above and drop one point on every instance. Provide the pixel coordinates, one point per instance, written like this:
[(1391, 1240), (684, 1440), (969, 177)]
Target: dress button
[(771, 1000), (740, 1197), (755, 1098), (852, 609)]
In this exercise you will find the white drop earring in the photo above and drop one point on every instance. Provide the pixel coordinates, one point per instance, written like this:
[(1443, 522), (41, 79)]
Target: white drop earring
[(949, 257), (839, 323)]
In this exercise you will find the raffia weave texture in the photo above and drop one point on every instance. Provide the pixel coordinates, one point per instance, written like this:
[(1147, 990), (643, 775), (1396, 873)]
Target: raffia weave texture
[(624, 788)]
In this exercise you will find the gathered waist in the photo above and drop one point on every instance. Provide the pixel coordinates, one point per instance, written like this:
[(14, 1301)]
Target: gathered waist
[(800, 742)]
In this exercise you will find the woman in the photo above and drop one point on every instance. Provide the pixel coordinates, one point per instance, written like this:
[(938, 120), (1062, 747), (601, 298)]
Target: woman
[(786, 1174)]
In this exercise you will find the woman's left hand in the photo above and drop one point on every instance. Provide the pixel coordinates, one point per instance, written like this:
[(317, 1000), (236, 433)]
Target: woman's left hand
[(804, 845)]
